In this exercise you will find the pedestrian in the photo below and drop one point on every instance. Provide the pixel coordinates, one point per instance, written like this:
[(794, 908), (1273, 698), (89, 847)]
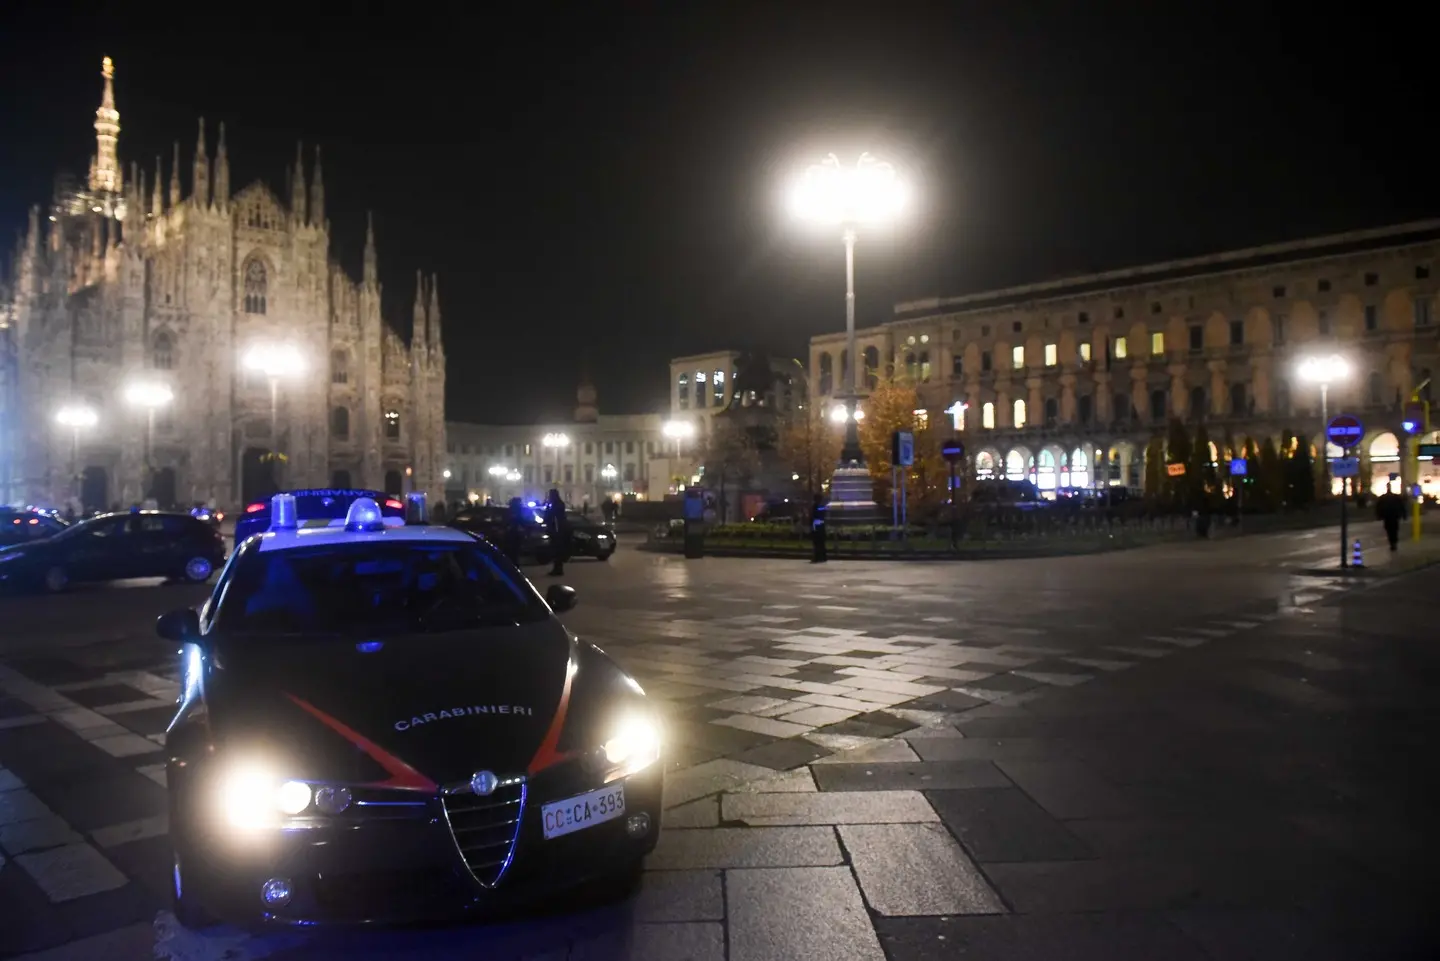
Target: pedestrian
[(1390, 508), (817, 530), (515, 522), (558, 527)]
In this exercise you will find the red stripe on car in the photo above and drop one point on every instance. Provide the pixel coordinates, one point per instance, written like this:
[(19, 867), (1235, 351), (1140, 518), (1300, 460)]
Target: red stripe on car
[(549, 751), (401, 774)]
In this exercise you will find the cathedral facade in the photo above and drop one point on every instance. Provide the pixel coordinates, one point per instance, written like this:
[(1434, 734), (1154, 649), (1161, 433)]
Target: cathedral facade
[(205, 346)]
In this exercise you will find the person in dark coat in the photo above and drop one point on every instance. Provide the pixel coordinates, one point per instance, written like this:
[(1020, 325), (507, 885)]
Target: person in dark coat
[(558, 527), (515, 530), (817, 530), (1390, 508)]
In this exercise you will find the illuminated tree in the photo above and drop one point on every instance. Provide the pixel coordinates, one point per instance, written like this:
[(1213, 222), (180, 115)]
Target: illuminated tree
[(892, 406)]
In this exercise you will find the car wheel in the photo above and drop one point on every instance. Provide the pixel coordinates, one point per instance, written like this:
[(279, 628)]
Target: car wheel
[(604, 555), (56, 579), (198, 570)]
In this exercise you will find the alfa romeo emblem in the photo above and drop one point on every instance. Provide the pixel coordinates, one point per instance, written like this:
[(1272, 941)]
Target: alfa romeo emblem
[(484, 783)]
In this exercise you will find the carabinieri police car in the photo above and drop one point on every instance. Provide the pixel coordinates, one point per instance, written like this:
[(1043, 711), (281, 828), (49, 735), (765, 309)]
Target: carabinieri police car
[(383, 721)]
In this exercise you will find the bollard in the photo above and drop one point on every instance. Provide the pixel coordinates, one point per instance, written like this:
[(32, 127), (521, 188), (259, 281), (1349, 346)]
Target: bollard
[(1357, 558)]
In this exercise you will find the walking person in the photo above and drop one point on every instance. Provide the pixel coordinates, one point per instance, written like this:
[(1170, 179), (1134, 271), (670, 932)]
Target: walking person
[(817, 530), (1390, 508), (515, 523), (558, 527)]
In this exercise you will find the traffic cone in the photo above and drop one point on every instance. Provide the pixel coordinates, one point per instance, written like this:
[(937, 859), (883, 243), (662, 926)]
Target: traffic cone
[(1357, 557)]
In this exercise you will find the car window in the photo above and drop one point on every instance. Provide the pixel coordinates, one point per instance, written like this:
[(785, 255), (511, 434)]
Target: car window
[(374, 589), (100, 527)]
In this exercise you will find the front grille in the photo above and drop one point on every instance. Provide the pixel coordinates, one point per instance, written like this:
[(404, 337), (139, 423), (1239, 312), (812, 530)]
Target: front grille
[(485, 828)]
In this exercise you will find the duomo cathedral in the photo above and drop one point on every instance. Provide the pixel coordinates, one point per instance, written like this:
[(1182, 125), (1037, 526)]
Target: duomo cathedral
[(177, 341)]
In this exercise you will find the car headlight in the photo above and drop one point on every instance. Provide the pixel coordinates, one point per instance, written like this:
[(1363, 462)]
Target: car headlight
[(634, 746), (252, 796)]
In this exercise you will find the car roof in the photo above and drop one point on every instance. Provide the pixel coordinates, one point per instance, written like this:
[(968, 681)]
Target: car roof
[(316, 536)]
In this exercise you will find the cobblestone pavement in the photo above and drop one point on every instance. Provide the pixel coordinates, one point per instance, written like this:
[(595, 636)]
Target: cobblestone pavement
[(1191, 751)]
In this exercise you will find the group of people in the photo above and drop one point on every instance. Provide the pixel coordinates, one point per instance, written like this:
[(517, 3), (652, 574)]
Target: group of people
[(557, 526)]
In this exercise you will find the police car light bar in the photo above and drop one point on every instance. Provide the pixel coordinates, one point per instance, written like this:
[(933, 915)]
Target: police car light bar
[(283, 516), (364, 515)]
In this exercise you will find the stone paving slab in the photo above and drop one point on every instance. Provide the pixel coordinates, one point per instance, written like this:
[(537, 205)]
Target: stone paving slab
[(851, 807), (823, 916), (903, 776), (1075, 937), (746, 848), (999, 825), (916, 869)]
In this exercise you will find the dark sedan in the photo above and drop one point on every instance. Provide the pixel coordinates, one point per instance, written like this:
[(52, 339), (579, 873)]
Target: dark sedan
[(115, 546), (389, 724), (20, 526), (492, 522), (589, 538)]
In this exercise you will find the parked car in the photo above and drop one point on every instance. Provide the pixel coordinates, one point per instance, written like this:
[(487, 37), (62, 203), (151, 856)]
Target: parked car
[(20, 525), (490, 521), (1005, 493), (589, 537), (115, 546)]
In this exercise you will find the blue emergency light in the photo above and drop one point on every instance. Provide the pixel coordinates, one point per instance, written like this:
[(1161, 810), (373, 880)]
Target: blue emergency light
[(283, 515), (364, 515)]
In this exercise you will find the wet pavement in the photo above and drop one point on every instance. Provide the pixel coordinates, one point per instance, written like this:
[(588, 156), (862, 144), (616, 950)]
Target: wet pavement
[(1199, 750)]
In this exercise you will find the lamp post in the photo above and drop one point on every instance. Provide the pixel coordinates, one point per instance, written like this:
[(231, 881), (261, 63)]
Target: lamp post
[(151, 396), (275, 362), (678, 431), (77, 417), (867, 193), (558, 442), (1324, 371)]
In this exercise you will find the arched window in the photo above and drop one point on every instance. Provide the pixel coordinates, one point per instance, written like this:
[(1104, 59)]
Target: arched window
[(827, 374), (1079, 468), (683, 385), (1237, 399), (1019, 420), (912, 369), (1047, 474), (257, 286), (1052, 412), (984, 464), (392, 425), (340, 367), (1015, 465), (924, 365), (340, 423), (872, 367), (162, 352), (1197, 402), (987, 416)]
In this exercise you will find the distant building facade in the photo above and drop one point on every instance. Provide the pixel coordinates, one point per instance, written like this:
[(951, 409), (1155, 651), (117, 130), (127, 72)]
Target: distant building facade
[(122, 284), (1064, 382)]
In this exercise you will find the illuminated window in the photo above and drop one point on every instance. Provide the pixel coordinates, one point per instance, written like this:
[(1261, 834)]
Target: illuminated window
[(699, 389), (392, 426), (1121, 351), (922, 419), (1157, 343), (256, 287), (719, 383), (1019, 420), (987, 416), (1085, 353), (1052, 355), (682, 385), (1017, 357)]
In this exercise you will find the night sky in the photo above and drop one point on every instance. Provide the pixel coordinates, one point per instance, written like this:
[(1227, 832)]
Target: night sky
[(600, 182)]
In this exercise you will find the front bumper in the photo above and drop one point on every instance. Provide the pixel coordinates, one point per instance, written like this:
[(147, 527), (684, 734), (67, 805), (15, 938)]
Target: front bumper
[(391, 865)]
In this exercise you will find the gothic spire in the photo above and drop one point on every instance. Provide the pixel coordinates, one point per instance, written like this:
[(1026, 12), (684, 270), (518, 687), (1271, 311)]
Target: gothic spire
[(105, 174), (371, 271), (317, 195), (434, 314), (418, 331), (297, 185), (175, 178), (222, 171), (157, 202), (201, 190)]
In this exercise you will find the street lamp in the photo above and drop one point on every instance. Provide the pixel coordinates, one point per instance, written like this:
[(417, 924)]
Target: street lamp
[(1324, 371), (608, 472), (150, 395), (830, 193), (274, 361), (840, 414), (558, 442), (77, 417)]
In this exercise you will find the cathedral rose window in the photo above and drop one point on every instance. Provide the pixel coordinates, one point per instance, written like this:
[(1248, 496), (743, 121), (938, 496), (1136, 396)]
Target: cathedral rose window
[(256, 287)]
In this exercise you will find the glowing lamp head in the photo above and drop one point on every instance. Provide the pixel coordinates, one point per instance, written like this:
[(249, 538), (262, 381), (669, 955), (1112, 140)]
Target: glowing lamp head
[(77, 416), (870, 192), (1324, 370), (364, 515), (283, 515)]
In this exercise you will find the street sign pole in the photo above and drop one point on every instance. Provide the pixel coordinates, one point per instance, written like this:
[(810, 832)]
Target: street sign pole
[(1344, 432)]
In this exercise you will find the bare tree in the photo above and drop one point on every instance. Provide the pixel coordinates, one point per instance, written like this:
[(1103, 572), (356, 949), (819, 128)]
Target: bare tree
[(731, 458)]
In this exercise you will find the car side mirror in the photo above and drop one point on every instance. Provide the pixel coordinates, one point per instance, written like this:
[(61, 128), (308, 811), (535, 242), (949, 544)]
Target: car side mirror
[(182, 625), (561, 598)]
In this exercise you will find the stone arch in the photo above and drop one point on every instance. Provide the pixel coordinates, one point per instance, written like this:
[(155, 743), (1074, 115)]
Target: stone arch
[(1049, 462), (1081, 474), (1017, 463), (988, 463)]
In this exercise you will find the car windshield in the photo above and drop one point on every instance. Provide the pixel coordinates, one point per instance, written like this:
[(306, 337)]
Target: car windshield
[(372, 589)]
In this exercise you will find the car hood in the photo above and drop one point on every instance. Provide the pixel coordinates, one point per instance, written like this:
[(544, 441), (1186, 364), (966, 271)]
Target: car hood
[(410, 711)]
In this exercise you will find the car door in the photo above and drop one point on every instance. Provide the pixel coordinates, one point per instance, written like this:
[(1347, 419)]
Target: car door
[(160, 542), (101, 550)]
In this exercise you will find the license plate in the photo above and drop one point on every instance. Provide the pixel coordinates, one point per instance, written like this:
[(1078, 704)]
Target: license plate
[(583, 811)]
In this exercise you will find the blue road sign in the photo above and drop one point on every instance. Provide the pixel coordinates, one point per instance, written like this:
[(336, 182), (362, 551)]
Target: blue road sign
[(1238, 467), (1344, 431)]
